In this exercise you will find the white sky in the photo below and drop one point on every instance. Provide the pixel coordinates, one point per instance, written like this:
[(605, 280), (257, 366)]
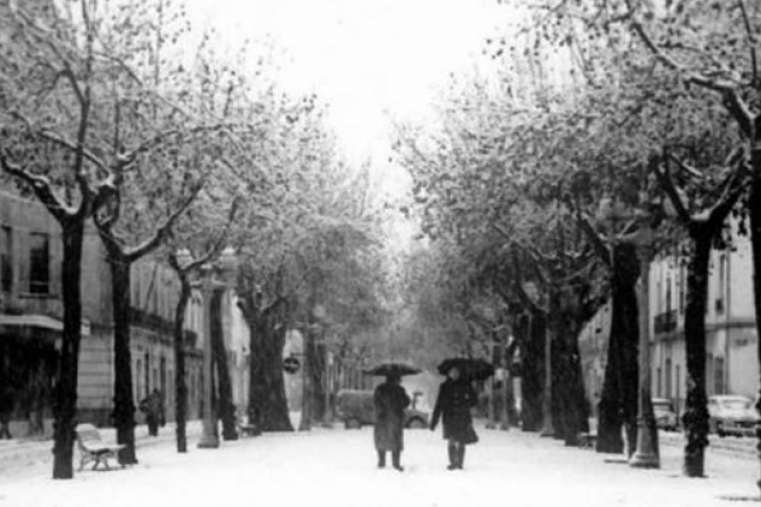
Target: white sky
[(367, 59)]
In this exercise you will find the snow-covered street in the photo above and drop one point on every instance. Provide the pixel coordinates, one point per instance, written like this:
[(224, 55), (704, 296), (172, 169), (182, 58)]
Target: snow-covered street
[(337, 468)]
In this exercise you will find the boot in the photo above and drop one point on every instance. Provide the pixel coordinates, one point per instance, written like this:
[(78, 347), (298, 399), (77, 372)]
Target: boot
[(396, 457), (453, 455), (381, 459), (461, 456)]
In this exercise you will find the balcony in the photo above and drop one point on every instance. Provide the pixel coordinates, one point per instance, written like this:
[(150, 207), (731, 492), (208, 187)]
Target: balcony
[(665, 322), (141, 317)]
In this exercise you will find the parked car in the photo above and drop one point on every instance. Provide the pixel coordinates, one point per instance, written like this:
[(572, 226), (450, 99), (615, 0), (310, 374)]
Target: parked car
[(731, 415), (665, 417), (356, 408)]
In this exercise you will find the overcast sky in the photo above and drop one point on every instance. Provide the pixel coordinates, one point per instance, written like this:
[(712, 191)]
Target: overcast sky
[(367, 58)]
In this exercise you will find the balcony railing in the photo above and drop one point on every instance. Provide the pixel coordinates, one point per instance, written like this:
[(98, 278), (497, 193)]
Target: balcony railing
[(665, 322), (152, 321)]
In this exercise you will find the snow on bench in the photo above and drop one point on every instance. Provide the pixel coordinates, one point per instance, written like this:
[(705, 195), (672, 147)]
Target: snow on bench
[(93, 448), (246, 429)]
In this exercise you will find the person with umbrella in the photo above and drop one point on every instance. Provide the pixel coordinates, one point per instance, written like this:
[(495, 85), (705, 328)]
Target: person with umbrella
[(390, 400), (455, 399)]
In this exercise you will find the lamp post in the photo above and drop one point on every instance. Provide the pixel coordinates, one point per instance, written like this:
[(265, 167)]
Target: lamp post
[(491, 385), (320, 315), (328, 372), (645, 454), (502, 375), (204, 277)]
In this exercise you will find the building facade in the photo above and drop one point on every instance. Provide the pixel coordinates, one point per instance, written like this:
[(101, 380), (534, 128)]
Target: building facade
[(731, 341), (31, 323)]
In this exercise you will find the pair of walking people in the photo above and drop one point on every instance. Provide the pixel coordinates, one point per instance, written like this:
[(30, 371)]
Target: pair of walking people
[(455, 399)]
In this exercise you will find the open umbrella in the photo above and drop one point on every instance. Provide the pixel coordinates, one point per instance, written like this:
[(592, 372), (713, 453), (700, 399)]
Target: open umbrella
[(392, 370), (471, 369)]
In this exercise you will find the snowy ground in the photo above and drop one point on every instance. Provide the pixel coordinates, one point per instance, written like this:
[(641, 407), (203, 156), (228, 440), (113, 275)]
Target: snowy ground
[(337, 468)]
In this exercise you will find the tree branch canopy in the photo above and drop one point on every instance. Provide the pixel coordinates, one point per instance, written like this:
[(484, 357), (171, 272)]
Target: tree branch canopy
[(42, 188)]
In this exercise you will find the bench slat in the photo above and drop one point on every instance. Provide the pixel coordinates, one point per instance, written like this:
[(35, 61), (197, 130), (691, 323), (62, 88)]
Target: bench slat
[(92, 448)]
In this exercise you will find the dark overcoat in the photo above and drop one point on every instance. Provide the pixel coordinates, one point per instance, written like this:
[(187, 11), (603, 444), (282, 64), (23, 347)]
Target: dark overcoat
[(453, 406), (153, 406), (390, 401)]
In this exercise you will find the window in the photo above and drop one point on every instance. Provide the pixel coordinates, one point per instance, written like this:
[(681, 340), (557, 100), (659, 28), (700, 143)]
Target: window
[(668, 293), (39, 263), (135, 286), (659, 383), (6, 259), (138, 383), (718, 376), (668, 388), (682, 288), (722, 290), (678, 383), (147, 365), (659, 292), (162, 375)]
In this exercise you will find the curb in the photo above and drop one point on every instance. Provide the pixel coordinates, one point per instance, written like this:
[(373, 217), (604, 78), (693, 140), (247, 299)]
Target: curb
[(735, 446)]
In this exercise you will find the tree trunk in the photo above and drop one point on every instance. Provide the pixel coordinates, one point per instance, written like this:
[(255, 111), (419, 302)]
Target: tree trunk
[(754, 208), (225, 403), (255, 374), (305, 424), (275, 416), (532, 329), (696, 413), (557, 365), (572, 407), (181, 389), (618, 401), (66, 386), (267, 403), (124, 405), (316, 359)]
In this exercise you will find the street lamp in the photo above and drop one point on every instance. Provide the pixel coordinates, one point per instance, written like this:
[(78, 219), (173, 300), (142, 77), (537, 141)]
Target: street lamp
[(320, 315), (611, 211), (209, 277), (491, 385), (328, 374)]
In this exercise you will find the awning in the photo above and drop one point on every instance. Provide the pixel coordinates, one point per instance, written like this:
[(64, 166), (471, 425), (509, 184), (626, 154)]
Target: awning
[(40, 321)]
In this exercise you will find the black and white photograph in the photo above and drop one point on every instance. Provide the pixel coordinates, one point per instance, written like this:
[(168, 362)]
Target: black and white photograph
[(380, 253)]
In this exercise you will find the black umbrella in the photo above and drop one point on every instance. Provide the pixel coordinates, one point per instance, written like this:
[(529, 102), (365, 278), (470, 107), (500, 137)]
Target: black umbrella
[(392, 370), (470, 369)]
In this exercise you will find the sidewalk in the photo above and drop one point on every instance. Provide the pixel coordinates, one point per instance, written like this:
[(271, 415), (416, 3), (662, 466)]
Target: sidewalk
[(18, 456), (336, 468), (30, 455)]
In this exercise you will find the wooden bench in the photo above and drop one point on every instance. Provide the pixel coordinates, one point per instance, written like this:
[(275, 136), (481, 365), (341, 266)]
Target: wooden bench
[(93, 448), (247, 429), (587, 440)]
